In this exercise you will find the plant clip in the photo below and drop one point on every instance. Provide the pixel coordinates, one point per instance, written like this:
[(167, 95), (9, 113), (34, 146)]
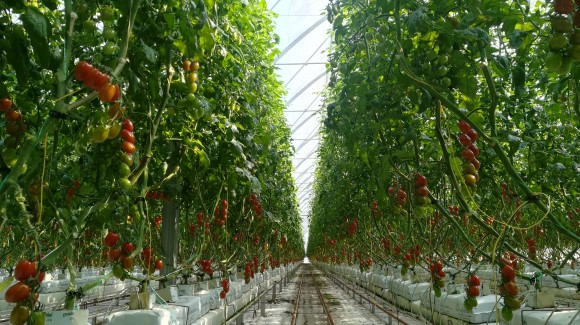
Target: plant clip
[(57, 114), (140, 198)]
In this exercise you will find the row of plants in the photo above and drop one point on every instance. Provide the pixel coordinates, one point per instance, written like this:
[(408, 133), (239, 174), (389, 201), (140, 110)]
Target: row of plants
[(141, 134), (450, 138)]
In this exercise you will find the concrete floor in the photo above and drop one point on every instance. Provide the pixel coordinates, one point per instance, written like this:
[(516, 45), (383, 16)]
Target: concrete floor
[(342, 307)]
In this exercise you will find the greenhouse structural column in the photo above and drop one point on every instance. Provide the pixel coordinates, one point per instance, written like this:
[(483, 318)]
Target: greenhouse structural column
[(170, 237)]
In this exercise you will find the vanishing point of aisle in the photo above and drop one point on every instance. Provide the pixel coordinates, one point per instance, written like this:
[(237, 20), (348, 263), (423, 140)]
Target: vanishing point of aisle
[(313, 298)]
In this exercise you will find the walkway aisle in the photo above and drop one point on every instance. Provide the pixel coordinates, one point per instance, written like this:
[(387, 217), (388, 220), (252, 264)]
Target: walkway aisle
[(342, 308)]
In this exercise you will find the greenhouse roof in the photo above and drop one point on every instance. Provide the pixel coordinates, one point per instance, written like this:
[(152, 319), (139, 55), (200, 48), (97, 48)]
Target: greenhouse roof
[(304, 39)]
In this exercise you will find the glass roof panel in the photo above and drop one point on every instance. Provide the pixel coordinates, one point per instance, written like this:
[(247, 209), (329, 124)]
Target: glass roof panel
[(304, 39)]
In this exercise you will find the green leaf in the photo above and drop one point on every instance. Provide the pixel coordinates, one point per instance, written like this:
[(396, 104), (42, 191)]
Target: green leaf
[(500, 64), (50, 4), (150, 53), (17, 55), (38, 28), (519, 80), (416, 19), (203, 157)]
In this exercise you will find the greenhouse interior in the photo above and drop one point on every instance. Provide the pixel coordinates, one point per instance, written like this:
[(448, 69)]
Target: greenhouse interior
[(177, 162)]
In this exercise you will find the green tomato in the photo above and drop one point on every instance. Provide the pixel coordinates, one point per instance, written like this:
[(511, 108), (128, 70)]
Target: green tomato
[(441, 71), (558, 42), (110, 48), (445, 82), (125, 183), (553, 61), (89, 25), (107, 13), (127, 159), (443, 59), (109, 33), (100, 134), (10, 156), (124, 170), (36, 318)]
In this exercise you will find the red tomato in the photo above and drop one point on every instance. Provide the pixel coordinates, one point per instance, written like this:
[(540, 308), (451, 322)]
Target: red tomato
[(472, 135), (420, 180), (438, 266), (223, 294), (17, 293), (464, 126), (475, 163), (473, 291), (90, 77), (100, 80), (127, 262), (113, 255), (158, 264), (128, 125), (127, 135), (111, 239), (82, 70), (508, 273), (510, 288), (25, 270), (467, 154), (147, 252), (474, 280), (474, 149), (401, 194), (465, 140), (128, 248), (224, 203), (12, 115), (128, 147), (422, 191), (5, 104)]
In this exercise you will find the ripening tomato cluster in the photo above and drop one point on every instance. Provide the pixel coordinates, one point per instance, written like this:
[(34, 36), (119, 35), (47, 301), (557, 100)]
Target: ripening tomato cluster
[(564, 44), (469, 153), (406, 261), (15, 126), (248, 272), (97, 81), (128, 149), (437, 276), (191, 68), (157, 221), (352, 227), (71, 191), (256, 205), (28, 277), (508, 288), (225, 288), (472, 292), (400, 200), (221, 213), (155, 195), (421, 190), (147, 257), (375, 209), (365, 265), (531, 248), (206, 267), (118, 256)]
